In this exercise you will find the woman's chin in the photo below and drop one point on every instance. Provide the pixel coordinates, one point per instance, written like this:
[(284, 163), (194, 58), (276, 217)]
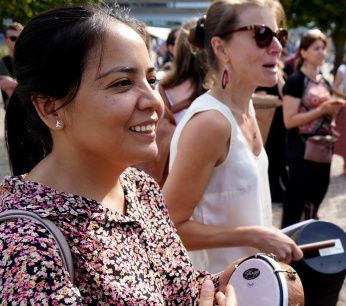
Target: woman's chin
[(147, 155)]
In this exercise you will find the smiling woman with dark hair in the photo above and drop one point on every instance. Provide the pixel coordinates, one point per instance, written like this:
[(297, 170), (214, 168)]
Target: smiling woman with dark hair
[(84, 110)]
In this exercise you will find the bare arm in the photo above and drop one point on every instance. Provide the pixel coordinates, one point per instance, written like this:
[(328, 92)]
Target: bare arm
[(187, 181), (292, 118), (202, 145), (8, 84)]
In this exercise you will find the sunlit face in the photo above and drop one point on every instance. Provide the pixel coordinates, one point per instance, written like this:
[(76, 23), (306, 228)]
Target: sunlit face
[(8, 40), (315, 54), (115, 112), (250, 64)]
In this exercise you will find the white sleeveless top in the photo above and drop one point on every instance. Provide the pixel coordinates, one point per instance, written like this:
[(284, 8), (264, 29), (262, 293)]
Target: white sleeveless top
[(238, 191)]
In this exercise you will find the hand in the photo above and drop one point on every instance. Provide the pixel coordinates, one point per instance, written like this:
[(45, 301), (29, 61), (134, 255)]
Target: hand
[(8, 84), (207, 295), (333, 106), (271, 240)]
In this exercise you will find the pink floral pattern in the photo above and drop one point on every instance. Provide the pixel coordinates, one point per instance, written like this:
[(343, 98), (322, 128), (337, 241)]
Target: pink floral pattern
[(314, 95), (132, 259)]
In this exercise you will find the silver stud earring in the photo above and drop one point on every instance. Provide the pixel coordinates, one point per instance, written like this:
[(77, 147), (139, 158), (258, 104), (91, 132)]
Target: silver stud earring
[(58, 124)]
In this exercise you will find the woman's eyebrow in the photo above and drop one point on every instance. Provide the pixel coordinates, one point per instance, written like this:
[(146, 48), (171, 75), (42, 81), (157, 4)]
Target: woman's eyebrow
[(125, 69), (151, 69)]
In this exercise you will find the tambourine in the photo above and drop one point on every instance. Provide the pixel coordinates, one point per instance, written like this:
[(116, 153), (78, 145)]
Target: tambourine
[(263, 281)]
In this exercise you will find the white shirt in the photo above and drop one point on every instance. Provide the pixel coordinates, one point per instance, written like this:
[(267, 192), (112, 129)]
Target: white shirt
[(238, 191)]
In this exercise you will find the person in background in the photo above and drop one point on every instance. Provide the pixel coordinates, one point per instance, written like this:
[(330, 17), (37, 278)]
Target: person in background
[(276, 142), (308, 110), (339, 90), (217, 190), (186, 78), (7, 73), (71, 137), (291, 62), (170, 49)]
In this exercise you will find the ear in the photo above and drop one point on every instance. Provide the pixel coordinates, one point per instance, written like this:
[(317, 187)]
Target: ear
[(219, 47), (302, 53), (47, 109), (170, 49)]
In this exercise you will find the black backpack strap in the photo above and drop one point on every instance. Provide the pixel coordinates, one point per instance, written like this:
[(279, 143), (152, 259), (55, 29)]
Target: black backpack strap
[(59, 238)]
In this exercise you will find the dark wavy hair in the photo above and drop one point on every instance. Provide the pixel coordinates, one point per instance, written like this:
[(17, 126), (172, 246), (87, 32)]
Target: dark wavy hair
[(307, 40), (50, 57)]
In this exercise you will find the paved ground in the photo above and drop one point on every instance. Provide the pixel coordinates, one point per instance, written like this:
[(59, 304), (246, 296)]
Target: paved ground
[(332, 209)]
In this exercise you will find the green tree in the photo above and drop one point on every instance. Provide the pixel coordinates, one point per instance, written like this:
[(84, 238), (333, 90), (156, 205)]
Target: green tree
[(325, 15), (23, 10)]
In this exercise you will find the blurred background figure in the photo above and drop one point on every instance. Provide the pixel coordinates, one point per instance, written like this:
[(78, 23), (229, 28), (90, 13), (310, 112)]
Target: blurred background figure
[(308, 110), (166, 52), (275, 145), (7, 73), (291, 62), (170, 43), (339, 89), (186, 78)]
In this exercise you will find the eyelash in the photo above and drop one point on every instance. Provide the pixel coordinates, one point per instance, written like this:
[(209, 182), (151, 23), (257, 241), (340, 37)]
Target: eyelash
[(153, 81), (125, 83)]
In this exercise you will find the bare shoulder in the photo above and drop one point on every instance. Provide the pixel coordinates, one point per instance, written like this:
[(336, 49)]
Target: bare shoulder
[(211, 123)]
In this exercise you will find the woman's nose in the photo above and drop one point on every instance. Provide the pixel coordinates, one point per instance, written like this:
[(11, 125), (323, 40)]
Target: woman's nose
[(275, 45), (151, 98)]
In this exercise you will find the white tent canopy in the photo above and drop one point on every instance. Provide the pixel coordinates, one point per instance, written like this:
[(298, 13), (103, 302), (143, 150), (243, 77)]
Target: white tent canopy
[(161, 33)]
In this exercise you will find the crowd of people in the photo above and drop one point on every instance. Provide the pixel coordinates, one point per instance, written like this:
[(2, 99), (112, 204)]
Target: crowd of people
[(76, 141)]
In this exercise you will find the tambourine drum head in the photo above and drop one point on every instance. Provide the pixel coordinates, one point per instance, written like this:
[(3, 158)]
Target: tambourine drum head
[(256, 284)]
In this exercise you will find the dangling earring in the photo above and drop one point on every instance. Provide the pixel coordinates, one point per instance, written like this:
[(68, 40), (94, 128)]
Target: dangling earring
[(58, 124), (224, 81)]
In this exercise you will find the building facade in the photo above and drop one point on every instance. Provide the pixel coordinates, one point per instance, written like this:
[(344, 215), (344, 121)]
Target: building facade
[(166, 14)]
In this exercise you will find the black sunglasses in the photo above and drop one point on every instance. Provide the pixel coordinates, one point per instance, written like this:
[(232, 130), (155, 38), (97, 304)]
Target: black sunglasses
[(263, 35), (12, 38)]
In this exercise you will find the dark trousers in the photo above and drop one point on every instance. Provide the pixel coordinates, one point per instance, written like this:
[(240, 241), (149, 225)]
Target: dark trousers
[(307, 182)]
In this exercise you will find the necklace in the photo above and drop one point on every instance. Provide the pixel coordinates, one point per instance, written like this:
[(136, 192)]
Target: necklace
[(238, 110)]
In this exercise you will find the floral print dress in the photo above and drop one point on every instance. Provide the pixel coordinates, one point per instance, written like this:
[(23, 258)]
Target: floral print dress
[(132, 259)]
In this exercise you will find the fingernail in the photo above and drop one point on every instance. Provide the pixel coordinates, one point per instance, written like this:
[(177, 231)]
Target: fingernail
[(208, 285)]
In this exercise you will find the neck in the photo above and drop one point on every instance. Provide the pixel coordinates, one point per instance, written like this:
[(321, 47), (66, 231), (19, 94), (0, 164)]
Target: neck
[(238, 102), (310, 70), (76, 179)]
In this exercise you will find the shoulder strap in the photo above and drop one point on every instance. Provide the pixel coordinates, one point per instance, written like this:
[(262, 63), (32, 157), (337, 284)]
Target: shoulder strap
[(59, 238), (181, 105), (167, 106), (176, 107)]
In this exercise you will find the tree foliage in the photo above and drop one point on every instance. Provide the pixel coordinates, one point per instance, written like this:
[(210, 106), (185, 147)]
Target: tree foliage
[(23, 10), (325, 15)]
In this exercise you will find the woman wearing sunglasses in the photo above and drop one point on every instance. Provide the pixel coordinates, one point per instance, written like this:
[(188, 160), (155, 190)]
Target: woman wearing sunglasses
[(217, 190), (308, 110)]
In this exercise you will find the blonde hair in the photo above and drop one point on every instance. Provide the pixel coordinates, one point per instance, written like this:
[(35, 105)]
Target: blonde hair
[(16, 26)]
